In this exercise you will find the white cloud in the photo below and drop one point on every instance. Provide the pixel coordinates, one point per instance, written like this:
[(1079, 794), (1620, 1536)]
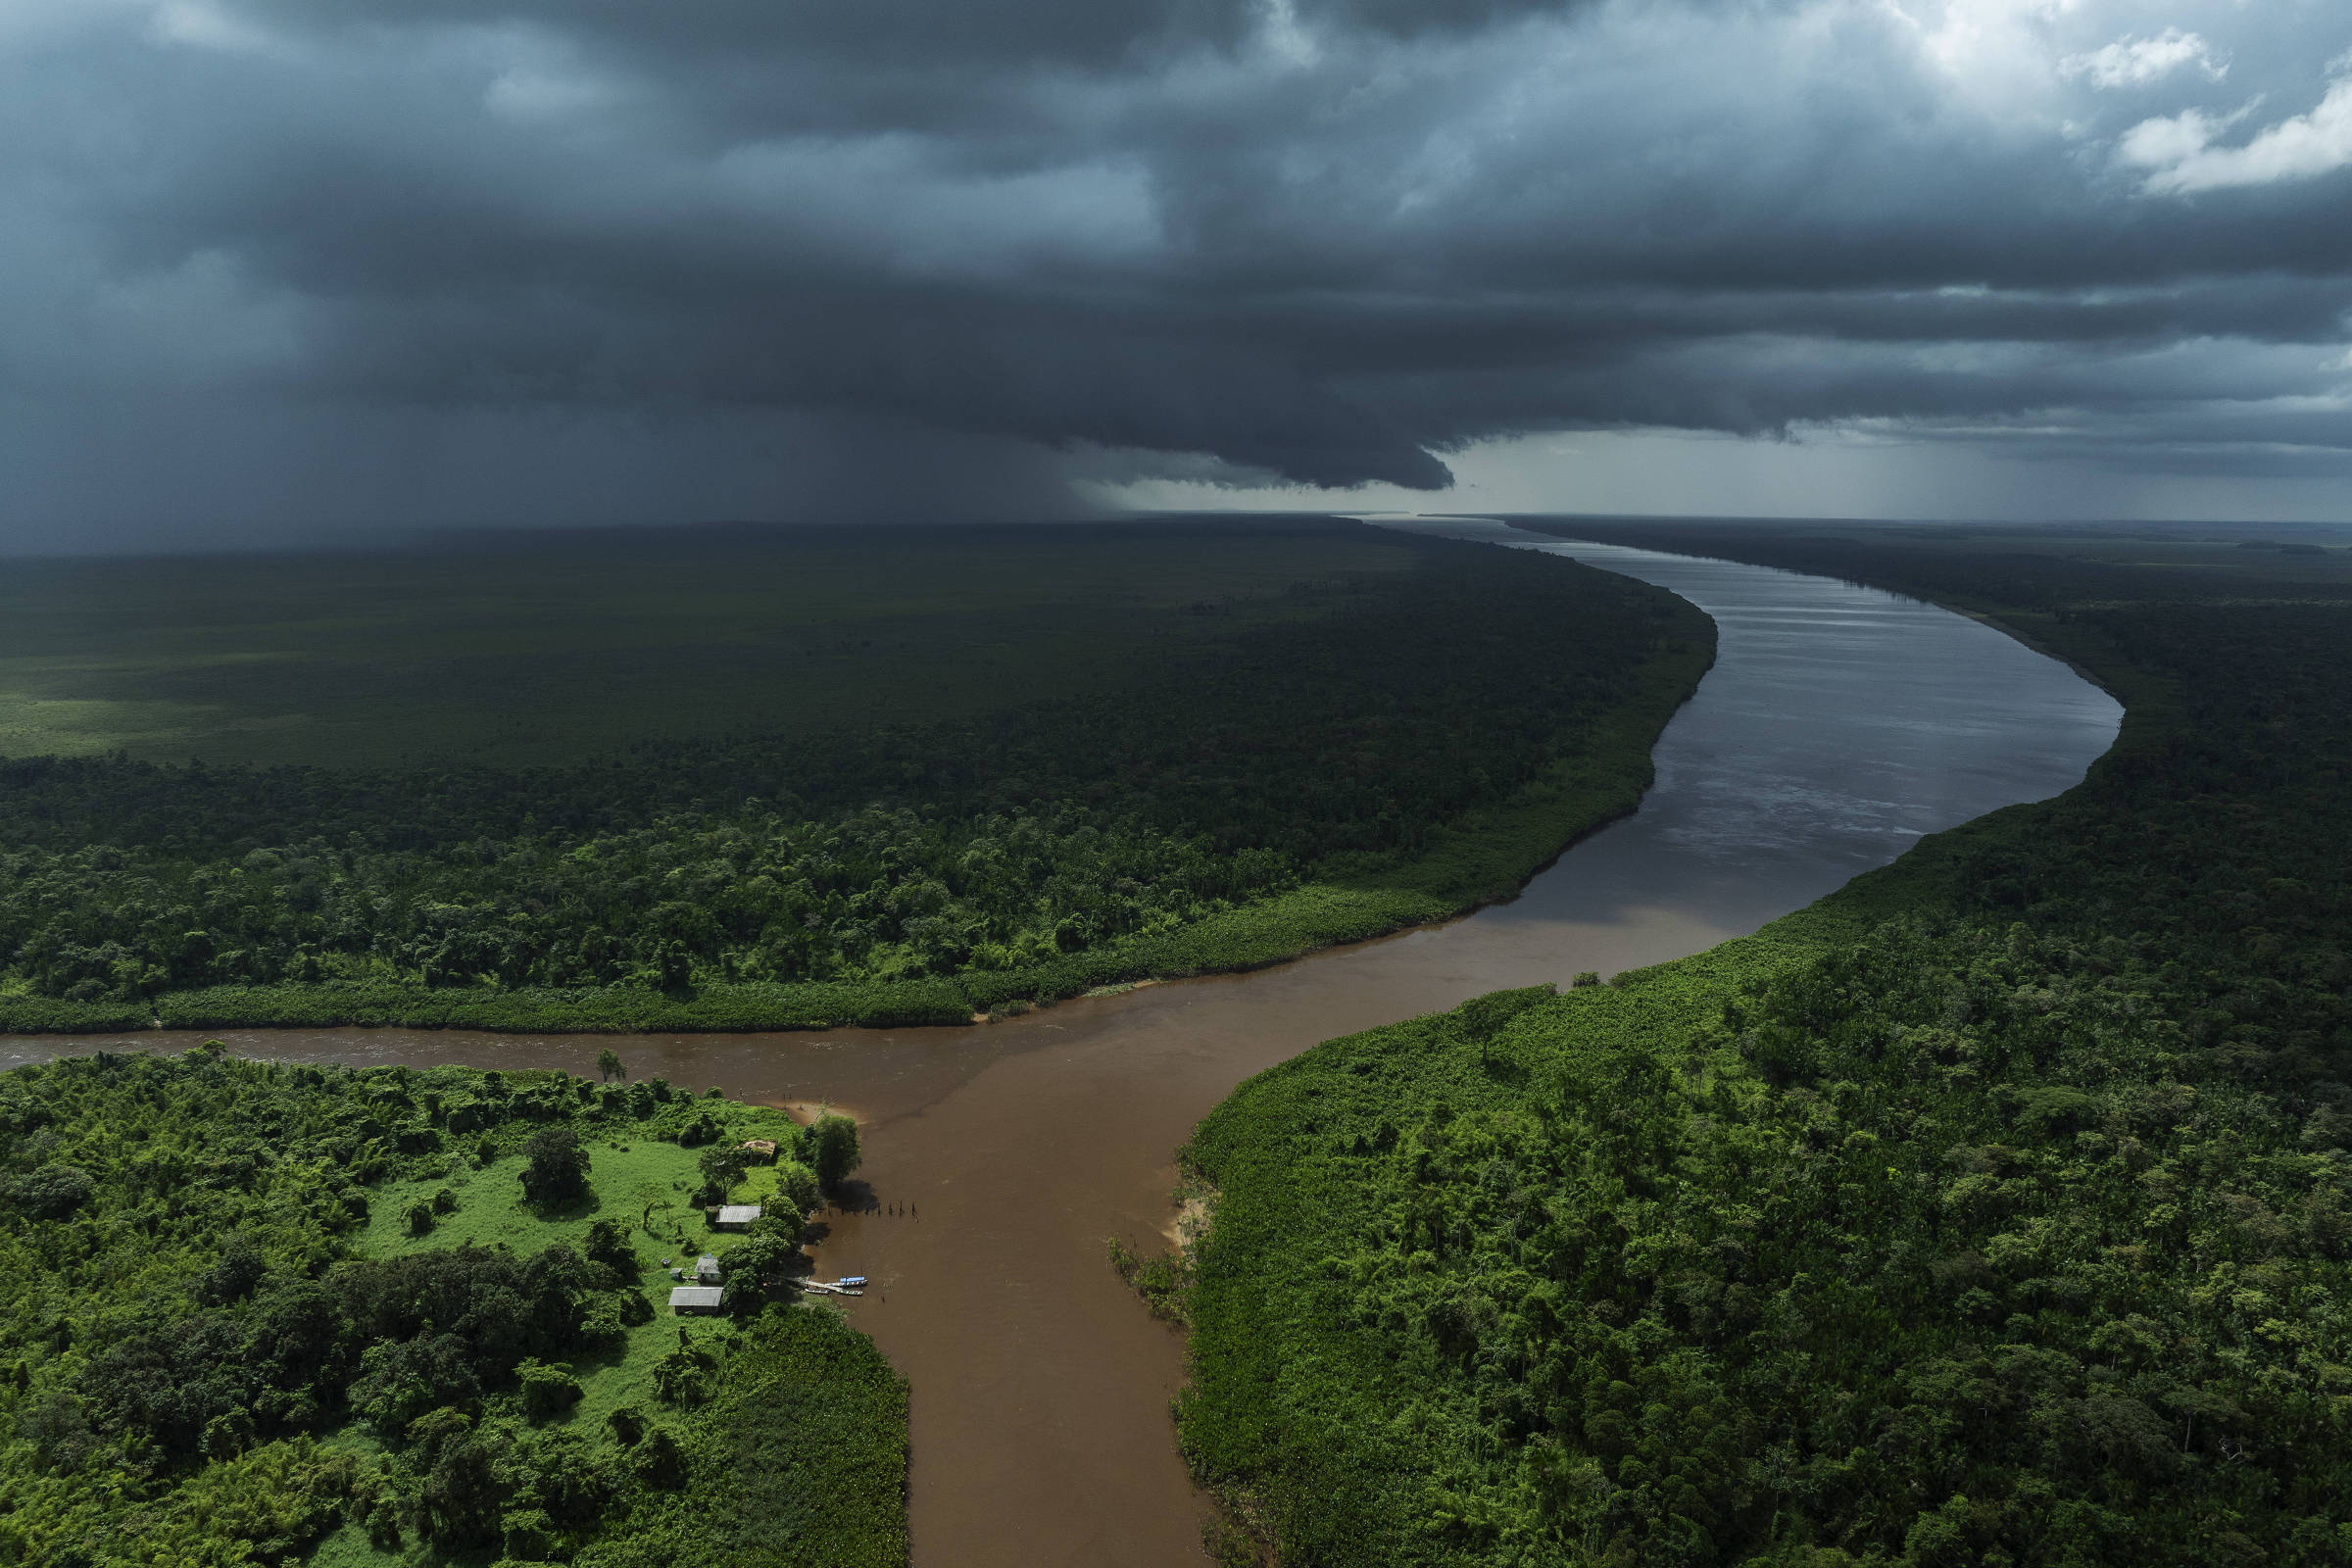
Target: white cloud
[(525, 93), (2181, 153), (2137, 62), (2170, 141), (196, 24), (1286, 38)]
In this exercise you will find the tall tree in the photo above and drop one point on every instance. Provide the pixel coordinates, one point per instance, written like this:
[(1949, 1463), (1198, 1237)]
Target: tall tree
[(557, 1168), (833, 1149)]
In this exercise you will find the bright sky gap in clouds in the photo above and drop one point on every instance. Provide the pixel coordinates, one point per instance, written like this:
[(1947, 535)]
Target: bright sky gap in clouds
[(284, 270)]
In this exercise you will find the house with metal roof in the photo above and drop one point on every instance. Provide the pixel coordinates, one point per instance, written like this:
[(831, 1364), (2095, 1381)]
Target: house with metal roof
[(689, 1300)]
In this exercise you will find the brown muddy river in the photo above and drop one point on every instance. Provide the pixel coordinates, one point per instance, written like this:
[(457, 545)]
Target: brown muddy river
[(1838, 724)]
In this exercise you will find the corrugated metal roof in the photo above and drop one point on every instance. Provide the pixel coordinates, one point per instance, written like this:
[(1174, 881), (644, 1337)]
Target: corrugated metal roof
[(738, 1213), (696, 1296)]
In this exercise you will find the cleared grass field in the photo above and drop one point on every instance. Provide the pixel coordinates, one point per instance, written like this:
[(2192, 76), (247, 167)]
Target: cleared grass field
[(647, 1184), (514, 650), (643, 1183)]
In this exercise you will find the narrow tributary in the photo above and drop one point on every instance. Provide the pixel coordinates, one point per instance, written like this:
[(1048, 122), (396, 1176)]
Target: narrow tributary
[(1838, 724)]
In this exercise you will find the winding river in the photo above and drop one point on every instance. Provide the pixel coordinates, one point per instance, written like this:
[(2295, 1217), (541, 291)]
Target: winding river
[(1838, 724)]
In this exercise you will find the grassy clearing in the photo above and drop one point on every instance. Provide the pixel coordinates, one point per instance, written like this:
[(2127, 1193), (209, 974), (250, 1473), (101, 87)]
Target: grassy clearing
[(786, 1396), (647, 1184)]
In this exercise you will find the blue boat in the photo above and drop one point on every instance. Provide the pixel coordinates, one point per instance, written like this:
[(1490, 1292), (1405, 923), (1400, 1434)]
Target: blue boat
[(853, 1280)]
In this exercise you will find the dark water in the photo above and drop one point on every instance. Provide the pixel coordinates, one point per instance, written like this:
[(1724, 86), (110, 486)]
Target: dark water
[(1838, 724)]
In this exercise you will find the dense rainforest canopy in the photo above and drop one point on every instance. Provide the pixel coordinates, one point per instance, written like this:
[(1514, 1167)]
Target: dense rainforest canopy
[(952, 860), (239, 1326), (1997, 1210)]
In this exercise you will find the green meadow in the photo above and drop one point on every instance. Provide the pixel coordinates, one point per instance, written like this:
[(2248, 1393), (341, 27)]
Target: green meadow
[(646, 1183)]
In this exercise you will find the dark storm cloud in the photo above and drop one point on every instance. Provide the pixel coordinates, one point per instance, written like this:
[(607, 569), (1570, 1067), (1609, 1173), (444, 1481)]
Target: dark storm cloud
[(488, 259)]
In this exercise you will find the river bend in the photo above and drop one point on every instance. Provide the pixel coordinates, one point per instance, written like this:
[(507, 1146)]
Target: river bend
[(1838, 725)]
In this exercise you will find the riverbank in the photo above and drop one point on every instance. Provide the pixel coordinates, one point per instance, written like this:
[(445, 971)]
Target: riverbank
[(1850, 1235), (1479, 854), (998, 1158)]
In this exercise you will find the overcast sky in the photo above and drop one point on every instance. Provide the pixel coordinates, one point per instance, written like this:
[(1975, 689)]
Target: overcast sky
[(284, 269)]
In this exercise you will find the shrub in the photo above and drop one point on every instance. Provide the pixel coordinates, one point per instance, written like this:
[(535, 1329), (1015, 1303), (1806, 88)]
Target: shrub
[(796, 1184), (608, 1243), (548, 1389), (722, 1166), (558, 1170), (660, 1461), (52, 1191), (833, 1150)]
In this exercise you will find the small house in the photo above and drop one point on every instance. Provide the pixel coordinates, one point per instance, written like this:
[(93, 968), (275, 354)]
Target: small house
[(736, 1216), (762, 1150), (690, 1301), (706, 1269)]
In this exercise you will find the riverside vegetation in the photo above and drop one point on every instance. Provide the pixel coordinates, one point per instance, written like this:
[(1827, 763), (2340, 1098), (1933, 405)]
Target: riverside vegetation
[(259, 1313), (1337, 754), (1996, 1211)]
